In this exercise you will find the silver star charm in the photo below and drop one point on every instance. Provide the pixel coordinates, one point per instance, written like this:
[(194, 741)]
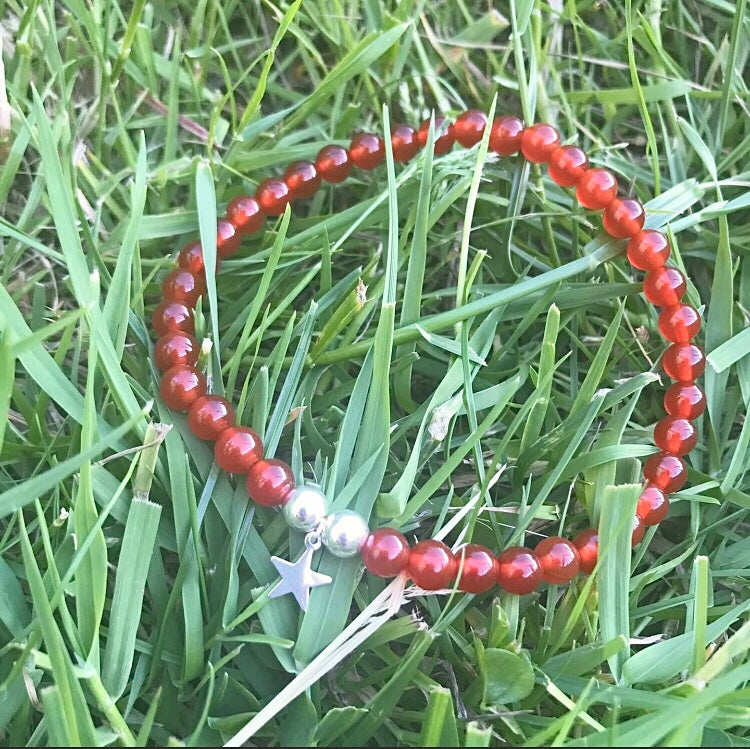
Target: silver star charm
[(298, 577)]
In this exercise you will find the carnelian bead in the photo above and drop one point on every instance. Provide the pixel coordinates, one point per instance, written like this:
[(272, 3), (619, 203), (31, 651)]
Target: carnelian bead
[(386, 552), (367, 151), (180, 386), (270, 482), (539, 141), (596, 189), (432, 565), (639, 531), (183, 286), (679, 324), (469, 127), (209, 416), (558, 558), (191, 258), (333, 164), (173, 317), (664, 287), (587, 543), (479, 570), (567, 164), (685, 400), (175, 348), (273, 196), (653, 505), (237, 449), (665, 472), (675, 435), (303, 179), (445, 135), (648, 250), (519, 571), (404, 143), (684, 362), (227, 238), (505, 136), (245, 213), (623, 218)]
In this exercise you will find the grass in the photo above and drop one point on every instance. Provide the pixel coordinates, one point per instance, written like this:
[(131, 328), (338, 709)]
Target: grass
[(452, 346)]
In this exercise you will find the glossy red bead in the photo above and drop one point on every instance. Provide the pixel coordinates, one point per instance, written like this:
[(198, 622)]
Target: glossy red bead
[(237, 449), (191, 258), (386, 552), (679, 324), (432, 565), (664, 287), (587, 543), (183, 286), (227, 238), (665, 472), (639, 531), (303, 179), (685, 400), (479, 570), (273, 196), (469, 127), (245, 213), (404, 143), (175, 348), (539, 141), (675, 435), (270, 482), (367, 151), (209, 416), (519, 571), (684, 362), (653, 505), (173, 317), (648, 250), (596, 189), (505, 136), (558, 558), (333, 164), (445, 135), (180, 386), (623, 218), (567, 164)]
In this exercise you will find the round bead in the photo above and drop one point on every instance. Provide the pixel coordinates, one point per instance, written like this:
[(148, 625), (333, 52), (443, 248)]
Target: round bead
[(539, 141), (303, 179), (209, 416), (685, 400), (567, 164), (306, 508), (664, 287), (558, 558), (587, 543), (639, 531), (344, 533), (191, 258), (237, 449), (445, 135), (519, 571), (386, 552), (173, 317), (648, 250), (333, 164), (175, 348), (270, 482), (596, 189), (245, 213), (180, 386), (653, 505), (623, 218), (675, 436), (679, 324), (227, 238), (684, 361), (404, 143), (367, 151), (505, 136), (479, 569), (469, 127), (183, 286), (432, 565), (273, 196), (665, 472)]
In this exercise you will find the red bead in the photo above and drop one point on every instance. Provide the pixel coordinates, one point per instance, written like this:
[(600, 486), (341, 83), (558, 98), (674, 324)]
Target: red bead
[(237, 449), (675, 436), (173, 317), (273, 196), (519, 571), (685, 400), (596, 189), (445, 135), (333, 164), (386, 552), (469, 127), (191, 258), (567, 164), (227, 238), (505, 136), (183, 286), (479, 571), (245, 213), (665, 472), (209, 416), (432, 565), (404, 143), (664, 287), (180, 386), (684, 361), (653, 505), (175, 348), (539, 141), (303, 179), (679, 324), (639, 531), (587, 543), (624, 217), (367, 151), (648, 250), (558, 558), (270, 482)]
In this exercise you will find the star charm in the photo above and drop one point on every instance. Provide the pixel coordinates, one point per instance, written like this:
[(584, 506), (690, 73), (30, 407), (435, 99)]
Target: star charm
[(297, 578)]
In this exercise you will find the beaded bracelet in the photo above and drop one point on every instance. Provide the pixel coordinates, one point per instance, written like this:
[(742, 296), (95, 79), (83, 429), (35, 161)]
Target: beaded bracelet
[(385, 552)]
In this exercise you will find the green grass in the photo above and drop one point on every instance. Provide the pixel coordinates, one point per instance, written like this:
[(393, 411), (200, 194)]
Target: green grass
[(498, 382)]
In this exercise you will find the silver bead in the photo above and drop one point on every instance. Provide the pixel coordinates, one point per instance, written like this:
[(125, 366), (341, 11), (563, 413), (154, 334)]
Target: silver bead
[(306, 507), (344, 533)]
